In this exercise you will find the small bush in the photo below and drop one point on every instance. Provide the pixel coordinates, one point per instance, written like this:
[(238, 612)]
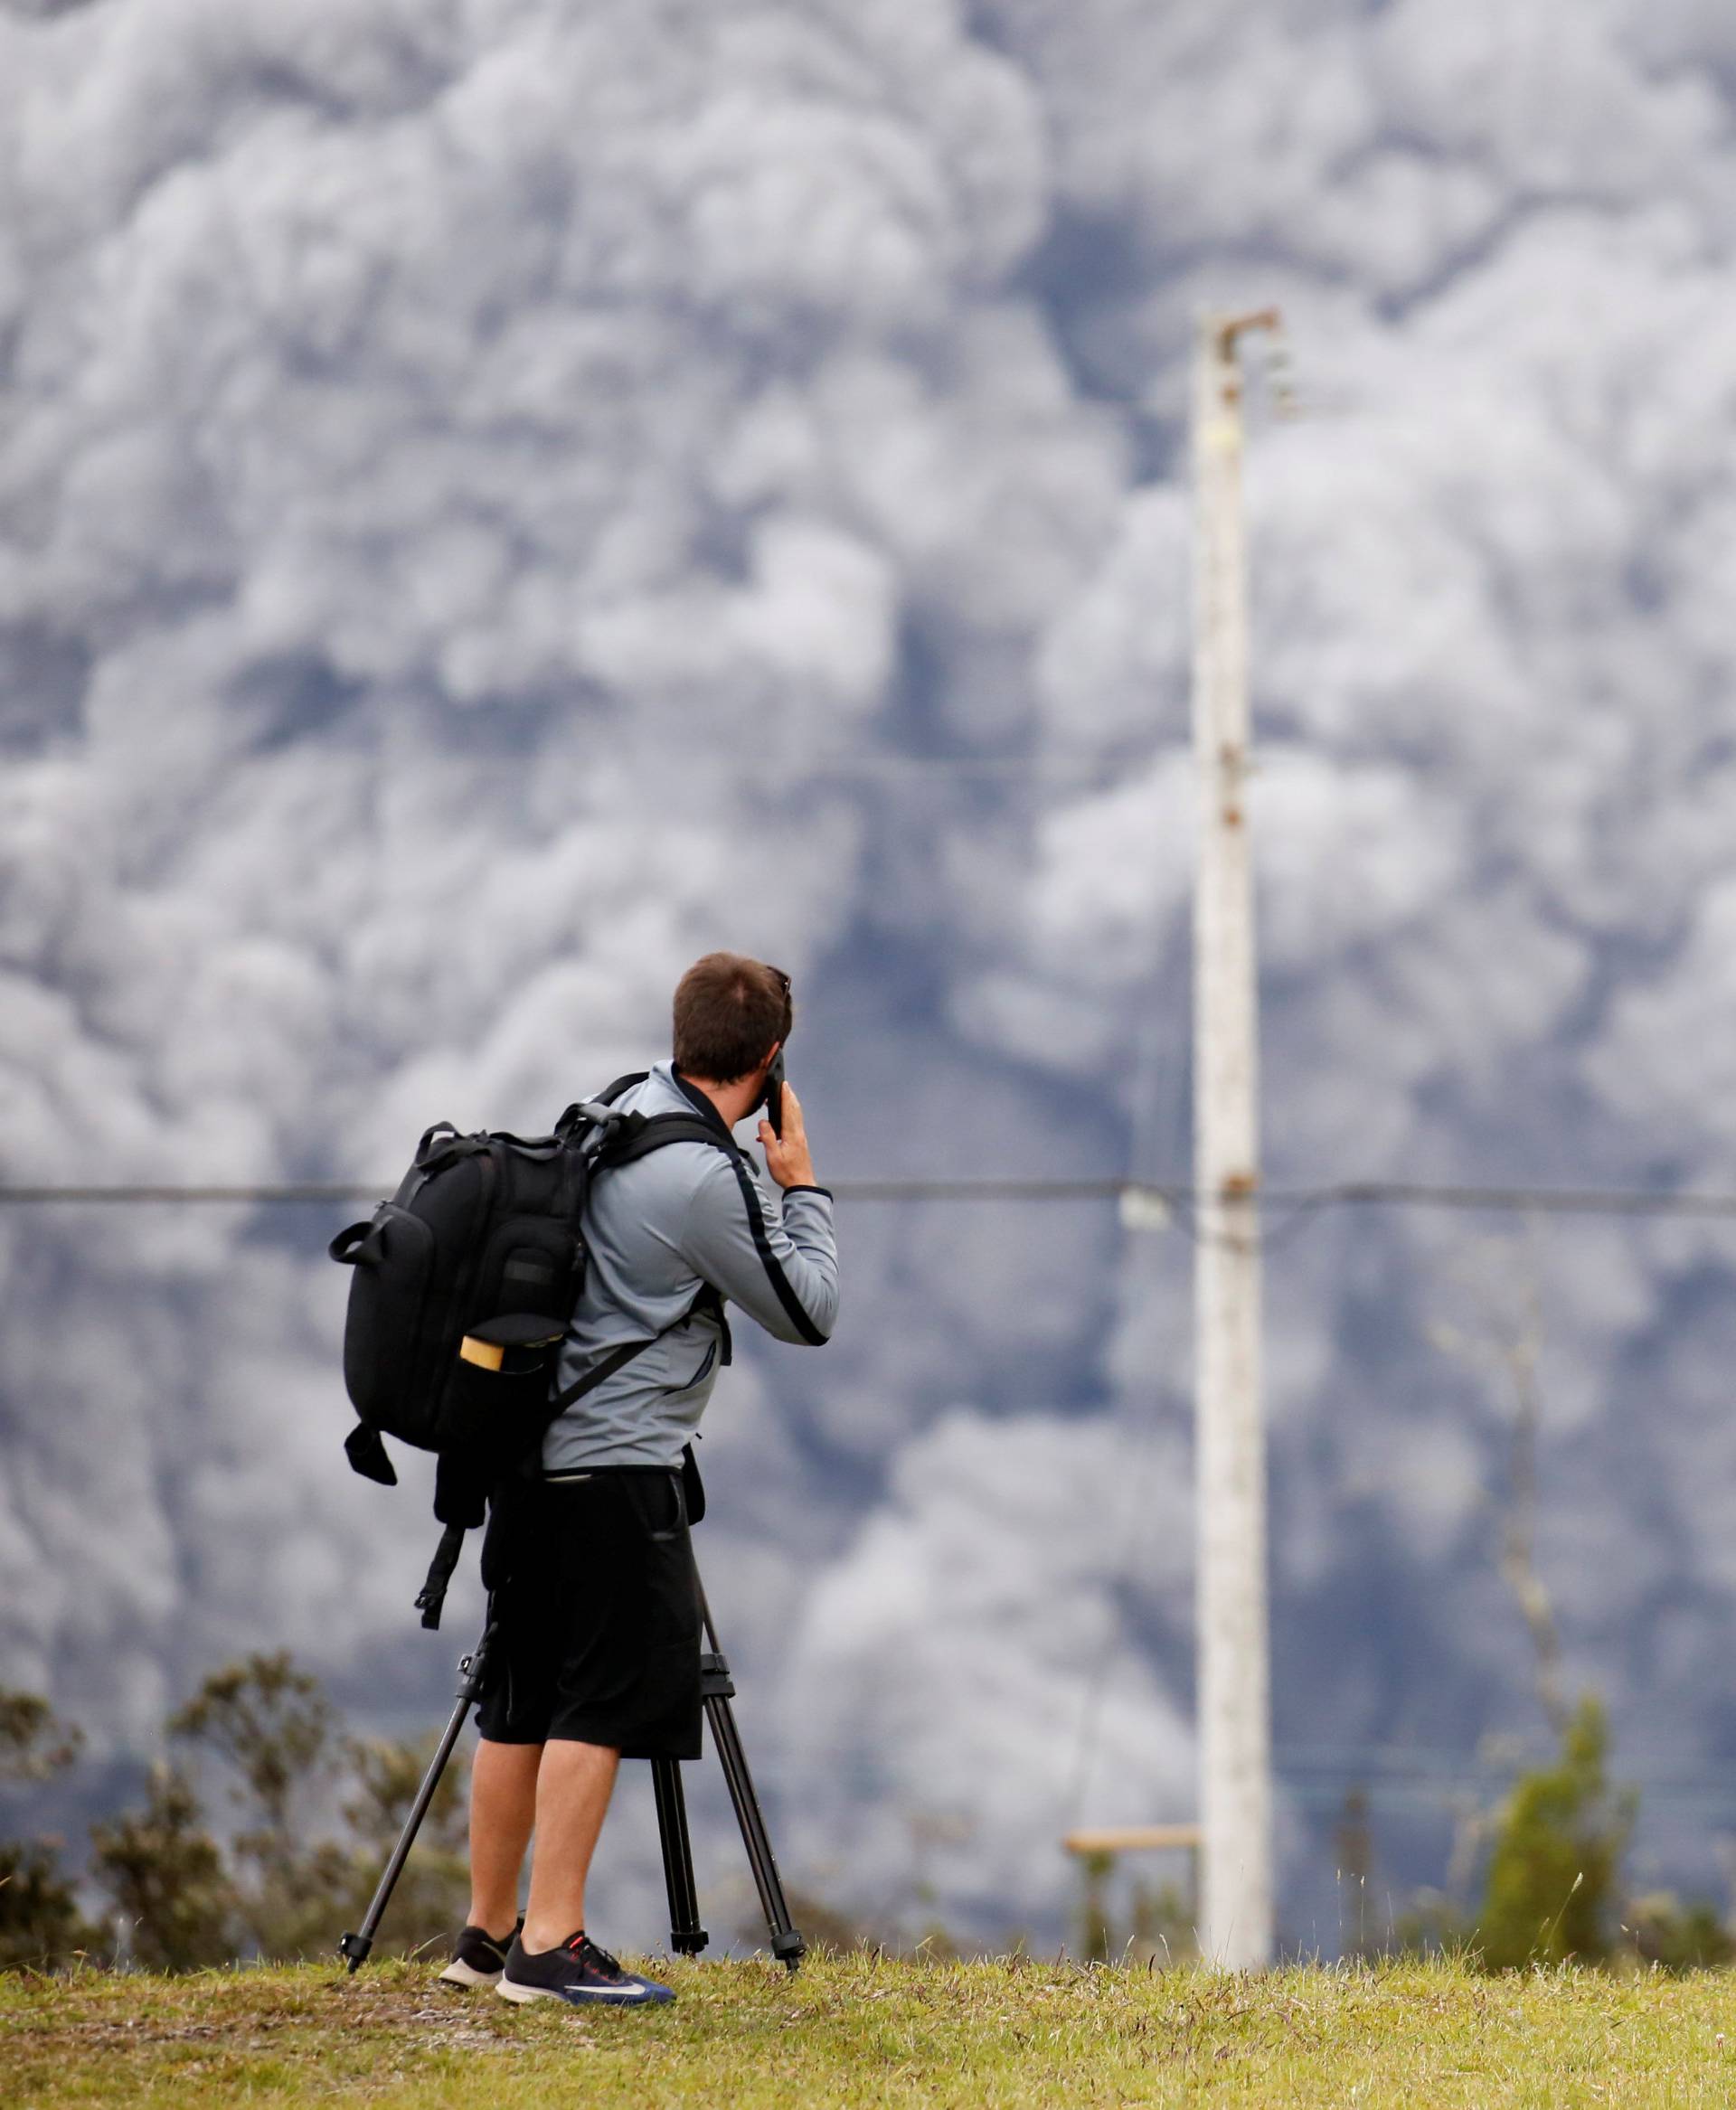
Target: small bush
[(166, 1875), (1551, 1890), (1678, 1937), (41, 1925), (40, 1921)]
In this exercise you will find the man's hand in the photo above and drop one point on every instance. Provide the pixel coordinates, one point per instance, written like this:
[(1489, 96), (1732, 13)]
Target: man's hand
[(787, 1161)]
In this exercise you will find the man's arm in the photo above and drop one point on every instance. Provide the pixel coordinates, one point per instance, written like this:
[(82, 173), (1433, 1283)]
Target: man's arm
[(784, 1275)]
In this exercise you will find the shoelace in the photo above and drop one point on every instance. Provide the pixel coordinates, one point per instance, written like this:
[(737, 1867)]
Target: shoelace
[(586, 1950)]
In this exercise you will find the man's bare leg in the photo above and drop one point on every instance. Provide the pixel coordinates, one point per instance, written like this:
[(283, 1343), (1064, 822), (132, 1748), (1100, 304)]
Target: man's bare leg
[(503, 1809), (573, 1785)]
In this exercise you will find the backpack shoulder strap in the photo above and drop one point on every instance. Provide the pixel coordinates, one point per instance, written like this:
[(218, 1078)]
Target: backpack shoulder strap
[(638, 1134), (580, 1109), (618, 1357)]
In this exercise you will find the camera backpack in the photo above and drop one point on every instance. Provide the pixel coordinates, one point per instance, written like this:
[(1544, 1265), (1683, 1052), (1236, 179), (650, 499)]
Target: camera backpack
[(465, 1282)]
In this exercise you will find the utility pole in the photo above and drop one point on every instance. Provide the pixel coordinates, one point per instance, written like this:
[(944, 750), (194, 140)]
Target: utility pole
[(1234, 1702)]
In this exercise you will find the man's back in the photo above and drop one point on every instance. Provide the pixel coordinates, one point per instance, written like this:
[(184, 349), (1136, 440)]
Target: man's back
[(661, 1231), (597, 1614)]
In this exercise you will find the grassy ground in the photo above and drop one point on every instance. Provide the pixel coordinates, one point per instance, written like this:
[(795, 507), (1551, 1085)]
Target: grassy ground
[(861, 2030)]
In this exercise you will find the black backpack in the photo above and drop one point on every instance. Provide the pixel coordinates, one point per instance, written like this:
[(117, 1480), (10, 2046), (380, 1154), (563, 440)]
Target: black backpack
[(465, 1282)]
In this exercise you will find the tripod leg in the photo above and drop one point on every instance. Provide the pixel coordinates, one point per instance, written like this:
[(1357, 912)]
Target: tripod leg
[(786, 1945), (472, 1669), (717, 1689), (686, 1936)]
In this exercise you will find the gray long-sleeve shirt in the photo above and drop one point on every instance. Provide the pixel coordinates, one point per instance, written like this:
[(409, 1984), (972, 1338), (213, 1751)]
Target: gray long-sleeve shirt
[(659, 1230)]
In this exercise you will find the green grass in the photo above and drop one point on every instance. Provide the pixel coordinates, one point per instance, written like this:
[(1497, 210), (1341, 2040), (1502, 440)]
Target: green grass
[(869, 2031)]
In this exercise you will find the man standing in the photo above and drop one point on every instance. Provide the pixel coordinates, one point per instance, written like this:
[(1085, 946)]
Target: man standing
[(596, 1652)]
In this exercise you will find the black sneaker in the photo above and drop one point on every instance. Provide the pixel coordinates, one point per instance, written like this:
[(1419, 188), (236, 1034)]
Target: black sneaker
[(479, 1958), (578, 1973)]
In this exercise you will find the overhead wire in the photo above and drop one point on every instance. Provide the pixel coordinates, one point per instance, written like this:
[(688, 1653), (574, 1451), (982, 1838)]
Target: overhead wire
[(1297, 1203)]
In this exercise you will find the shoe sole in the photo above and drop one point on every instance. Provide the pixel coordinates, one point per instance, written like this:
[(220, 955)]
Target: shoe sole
[(458, 1973), (522, 1995)]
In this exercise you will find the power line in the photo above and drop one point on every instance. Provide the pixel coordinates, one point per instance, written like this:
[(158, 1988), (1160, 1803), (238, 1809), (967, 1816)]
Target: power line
[(1174, 1196), (252, 1196), (1546, 1200)]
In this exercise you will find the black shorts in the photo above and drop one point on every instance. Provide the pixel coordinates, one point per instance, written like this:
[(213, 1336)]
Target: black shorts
[(597, 1608)]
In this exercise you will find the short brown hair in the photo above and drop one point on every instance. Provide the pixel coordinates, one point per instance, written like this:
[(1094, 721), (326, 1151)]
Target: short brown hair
[(729, 1009)]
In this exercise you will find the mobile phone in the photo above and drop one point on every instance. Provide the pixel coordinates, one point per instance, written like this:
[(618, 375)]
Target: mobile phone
[(774, 1101)]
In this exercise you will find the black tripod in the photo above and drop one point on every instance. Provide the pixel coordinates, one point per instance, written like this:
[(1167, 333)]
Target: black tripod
[(686, 1936)]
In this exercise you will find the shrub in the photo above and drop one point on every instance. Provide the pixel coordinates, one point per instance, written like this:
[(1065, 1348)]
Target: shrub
[(166, 1876), (40, 1921), (1552, 1889)]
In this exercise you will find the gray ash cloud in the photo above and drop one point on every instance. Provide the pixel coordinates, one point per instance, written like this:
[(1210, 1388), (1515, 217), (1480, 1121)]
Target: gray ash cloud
[(484, 489)]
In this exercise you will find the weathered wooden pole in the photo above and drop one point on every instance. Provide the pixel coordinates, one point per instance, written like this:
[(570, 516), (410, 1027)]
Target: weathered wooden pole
[(1235, 1701)]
